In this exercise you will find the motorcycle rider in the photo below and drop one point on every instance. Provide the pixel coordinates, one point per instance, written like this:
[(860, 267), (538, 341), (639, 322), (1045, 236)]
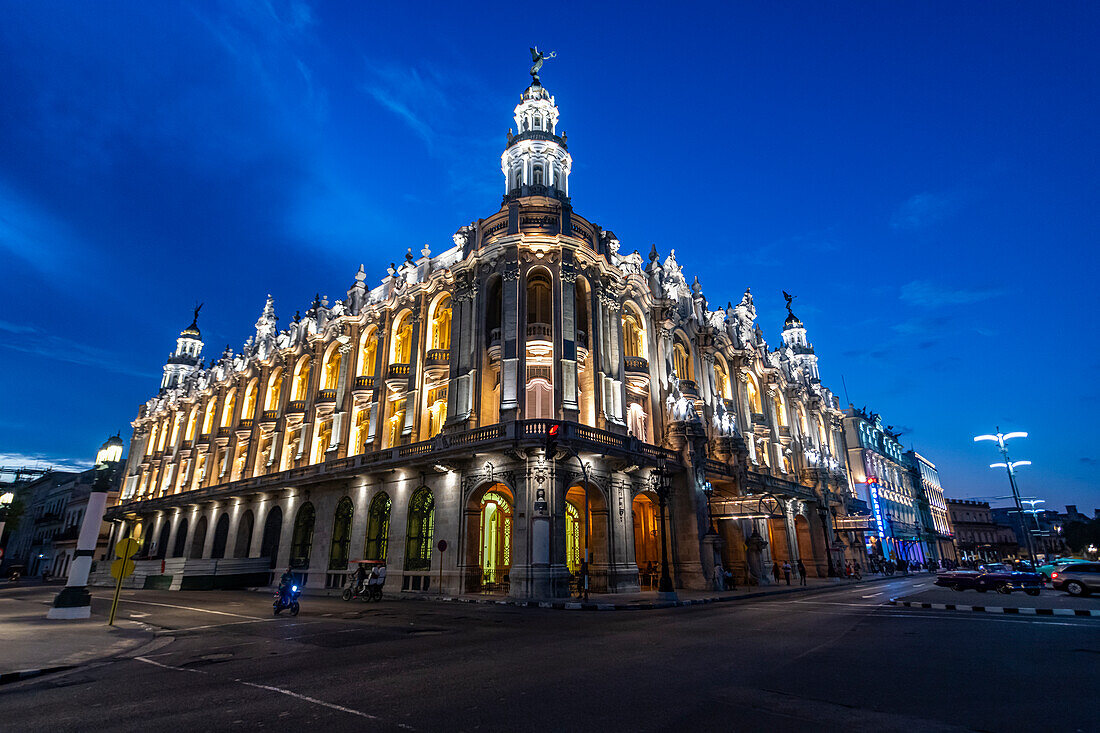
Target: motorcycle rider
[(285, 582), (359, 579)]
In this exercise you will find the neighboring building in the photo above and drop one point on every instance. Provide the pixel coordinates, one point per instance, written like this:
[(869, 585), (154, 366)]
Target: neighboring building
[(878, 464), (54, 505), (418, 411), (1044, 526), (931, 508), (978, 538)]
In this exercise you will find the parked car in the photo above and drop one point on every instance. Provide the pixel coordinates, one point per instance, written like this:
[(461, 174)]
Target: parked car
[(1046, 570), (1078, 579), (998, 577)]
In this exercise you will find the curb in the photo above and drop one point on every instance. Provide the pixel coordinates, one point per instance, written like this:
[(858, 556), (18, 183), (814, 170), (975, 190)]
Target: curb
[(26, 674), (574, 605), (1019, 611)]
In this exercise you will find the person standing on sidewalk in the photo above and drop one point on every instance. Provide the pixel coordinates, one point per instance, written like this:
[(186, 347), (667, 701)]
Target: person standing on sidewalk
[(801, 572), (775, 571), (787, 571)]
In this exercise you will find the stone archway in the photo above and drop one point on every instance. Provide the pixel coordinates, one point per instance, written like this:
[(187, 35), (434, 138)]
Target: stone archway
[(588, 531), (489, 539), (647, 539), (244, 534), (805, 544)]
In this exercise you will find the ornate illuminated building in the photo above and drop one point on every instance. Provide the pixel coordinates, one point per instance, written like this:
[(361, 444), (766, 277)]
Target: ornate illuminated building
[(416, 411)]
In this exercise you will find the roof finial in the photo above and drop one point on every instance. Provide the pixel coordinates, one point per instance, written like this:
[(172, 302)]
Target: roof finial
[(538, 57)]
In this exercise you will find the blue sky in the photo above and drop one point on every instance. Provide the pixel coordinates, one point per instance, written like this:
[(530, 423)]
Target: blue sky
[(922, 175)]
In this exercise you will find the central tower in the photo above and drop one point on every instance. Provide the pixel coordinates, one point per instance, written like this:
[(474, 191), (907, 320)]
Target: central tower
[(536, 161)]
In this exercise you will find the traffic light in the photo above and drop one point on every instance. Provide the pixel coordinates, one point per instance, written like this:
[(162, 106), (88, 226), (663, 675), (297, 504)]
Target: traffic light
[(552, 433)]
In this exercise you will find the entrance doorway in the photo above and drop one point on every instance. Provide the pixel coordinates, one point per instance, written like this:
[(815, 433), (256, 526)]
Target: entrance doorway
[(647, 550), (489, 518)]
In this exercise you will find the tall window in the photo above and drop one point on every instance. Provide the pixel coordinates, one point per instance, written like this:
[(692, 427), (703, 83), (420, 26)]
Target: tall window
[(274, 391), (441, 325), (301, 379), (321, 441), (539, 303), (332, 369), (341, 535), (418, 543), (192, 422), (753, 393), (227, 409), (208, 420), (302, 542), (437, 409), (633, 336), (722, 379), (780, 408), (573, 540), (682, 362), (402, 340), (378, 527), (250, 401), (396, 423), (359, 432), (536, 174), (368, 350)]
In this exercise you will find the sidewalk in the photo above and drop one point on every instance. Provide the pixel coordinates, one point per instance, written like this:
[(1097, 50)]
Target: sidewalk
[(32, 644), (648, 600), (1049, 603)]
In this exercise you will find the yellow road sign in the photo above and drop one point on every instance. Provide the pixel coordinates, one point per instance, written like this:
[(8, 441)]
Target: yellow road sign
[(121, 568), (127, 548)]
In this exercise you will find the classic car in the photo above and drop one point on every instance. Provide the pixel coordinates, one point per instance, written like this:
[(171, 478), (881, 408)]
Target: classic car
[(1047, 569), (1000, 578)]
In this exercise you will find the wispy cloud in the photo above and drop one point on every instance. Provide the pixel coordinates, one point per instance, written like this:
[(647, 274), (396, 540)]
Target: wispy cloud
[(1090, 461), (43, 460), (27, 339), (925, 209), (929, 295)]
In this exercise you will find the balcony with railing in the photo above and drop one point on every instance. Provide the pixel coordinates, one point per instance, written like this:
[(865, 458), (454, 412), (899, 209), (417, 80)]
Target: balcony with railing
[(245, 424), (225, 432), (540, 332), (689, 388), (296, 406), (638, 365), (397, 371), (326, 395), (270, 415), (437, 357), (363, 382)]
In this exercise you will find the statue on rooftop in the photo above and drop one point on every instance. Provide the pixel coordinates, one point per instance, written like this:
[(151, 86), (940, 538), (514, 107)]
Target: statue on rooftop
[(538, 57)]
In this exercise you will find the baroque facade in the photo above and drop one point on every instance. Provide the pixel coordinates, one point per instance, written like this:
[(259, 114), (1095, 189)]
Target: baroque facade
[(418, 410)]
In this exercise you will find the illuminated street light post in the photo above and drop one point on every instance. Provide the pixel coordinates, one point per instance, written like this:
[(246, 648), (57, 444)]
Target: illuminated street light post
[(74, 601), (5, 504), (663, 490), (1010, 466)]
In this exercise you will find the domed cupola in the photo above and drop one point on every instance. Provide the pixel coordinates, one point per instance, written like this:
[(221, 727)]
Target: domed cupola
[(536, 161), (186, 356), (794, 338)]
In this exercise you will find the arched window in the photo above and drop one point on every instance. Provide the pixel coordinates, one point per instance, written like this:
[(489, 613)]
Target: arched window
[(274, 391), (536, 173), (441, 324), (301, 379), (208, 420), (321, 441), (573, 540), (368, 351), (341, 535), (227, 409), (243, 546), (378, 527), (181, 539), (331, 369), (418, 543), (302, 541), (402, 340), (681, 362), (802, 420), (250, 401), (636, 421), (199, 540), (539, 303), (722, 380), (221, 537), (752, 391), (634, 340), (192, 422), (437, 409), (359, 432), (780, 408), (152, 444)]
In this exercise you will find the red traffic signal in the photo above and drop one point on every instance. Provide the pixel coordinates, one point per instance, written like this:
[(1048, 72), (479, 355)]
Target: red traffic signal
[(552, 439)]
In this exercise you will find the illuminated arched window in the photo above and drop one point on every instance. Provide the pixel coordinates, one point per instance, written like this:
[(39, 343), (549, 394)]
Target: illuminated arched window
[(301, 379), (177, 423), (192, 423), (359, 432), (539, 303), (402, 340), (418, 542), (302, 540), (752, 391), (250, 400), (634, 340), (437, 409), (227, 409), (208, 419), (332, 368), (152, 444), (802, 420), (274, 391), (681, 362), (368, 351), (780, 408), (321, 441), (378, 527), (441, 324), (722, 380), (573, 539)]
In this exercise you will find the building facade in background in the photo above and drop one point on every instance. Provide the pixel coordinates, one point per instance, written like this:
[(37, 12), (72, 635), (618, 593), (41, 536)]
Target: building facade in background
[(978, 538), (935, 527), (418, 410)]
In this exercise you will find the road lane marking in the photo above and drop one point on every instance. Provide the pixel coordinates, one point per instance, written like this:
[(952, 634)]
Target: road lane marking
[(872, 595), (280, 690), (182, 608)]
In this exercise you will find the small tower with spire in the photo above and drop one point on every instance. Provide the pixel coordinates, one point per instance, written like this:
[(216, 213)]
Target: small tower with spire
[(536, 161), (186, 357), (794, 338)]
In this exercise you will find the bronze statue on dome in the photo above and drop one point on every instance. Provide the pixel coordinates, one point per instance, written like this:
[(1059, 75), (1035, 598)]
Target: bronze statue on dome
[(538, 57)]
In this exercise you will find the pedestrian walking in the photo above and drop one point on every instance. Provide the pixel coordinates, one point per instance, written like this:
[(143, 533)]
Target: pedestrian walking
[(787, 571), (858, 570), (730, 583), (801, 572), (775, 571), (719, 577)]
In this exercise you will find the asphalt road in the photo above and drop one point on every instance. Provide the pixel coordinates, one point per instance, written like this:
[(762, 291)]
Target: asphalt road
[(826, 661)]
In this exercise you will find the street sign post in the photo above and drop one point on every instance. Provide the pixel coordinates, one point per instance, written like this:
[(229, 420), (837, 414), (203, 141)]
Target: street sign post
[(121, 568)]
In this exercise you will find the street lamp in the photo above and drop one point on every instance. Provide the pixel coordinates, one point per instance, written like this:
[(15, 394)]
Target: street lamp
[(708, 491), (664, 491), (6, 500), (74, 600), (1010, 466)]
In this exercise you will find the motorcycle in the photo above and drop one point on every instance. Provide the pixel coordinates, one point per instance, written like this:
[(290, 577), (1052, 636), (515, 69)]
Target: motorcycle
[(287, 598), (372, 592)]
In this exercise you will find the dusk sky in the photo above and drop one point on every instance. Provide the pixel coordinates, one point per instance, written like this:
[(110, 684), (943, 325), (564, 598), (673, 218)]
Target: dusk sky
[(923, 176)]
